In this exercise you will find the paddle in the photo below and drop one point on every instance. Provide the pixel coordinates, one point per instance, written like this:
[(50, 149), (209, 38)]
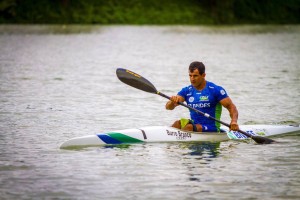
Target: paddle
[(137, 81)]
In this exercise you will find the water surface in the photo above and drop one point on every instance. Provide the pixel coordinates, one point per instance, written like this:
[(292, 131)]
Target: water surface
[(59, 82)]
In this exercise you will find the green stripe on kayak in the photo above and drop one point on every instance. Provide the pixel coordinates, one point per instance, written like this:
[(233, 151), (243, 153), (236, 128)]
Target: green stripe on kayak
[(231, 135), (124, 138)]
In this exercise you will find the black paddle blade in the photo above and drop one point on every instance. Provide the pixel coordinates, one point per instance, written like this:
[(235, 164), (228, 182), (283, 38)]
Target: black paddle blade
[(135, 80), (262, 140), (256, 138)]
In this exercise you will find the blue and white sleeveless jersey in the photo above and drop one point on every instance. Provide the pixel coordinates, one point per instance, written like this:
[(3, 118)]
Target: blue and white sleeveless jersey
[(207, 101)]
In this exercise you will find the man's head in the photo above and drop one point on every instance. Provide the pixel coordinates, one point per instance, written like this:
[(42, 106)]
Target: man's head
[(197, 74), (197, 65)]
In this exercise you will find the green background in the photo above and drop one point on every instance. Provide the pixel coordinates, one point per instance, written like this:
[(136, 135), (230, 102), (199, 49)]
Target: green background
[(163, 12)]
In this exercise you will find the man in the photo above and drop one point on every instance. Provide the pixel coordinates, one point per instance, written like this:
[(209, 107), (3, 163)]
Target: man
[(206, 97)]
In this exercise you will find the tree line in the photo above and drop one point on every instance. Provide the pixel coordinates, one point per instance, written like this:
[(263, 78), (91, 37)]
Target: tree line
[(163, 12)]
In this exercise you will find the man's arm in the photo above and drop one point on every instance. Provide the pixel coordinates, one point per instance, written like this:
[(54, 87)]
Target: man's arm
[(233, 112), (170, 105)]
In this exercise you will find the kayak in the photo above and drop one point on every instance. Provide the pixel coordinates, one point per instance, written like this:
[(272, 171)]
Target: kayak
[(152, 134)]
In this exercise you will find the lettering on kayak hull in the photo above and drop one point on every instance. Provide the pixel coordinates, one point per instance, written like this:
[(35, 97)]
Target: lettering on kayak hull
[(180, 135)]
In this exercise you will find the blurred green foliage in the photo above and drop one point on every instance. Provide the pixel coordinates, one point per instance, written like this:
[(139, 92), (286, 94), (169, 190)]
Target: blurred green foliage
[(150, 11)]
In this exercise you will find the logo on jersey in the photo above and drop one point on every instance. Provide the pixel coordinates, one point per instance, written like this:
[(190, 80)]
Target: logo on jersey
[(199, 105), (222, 92), (203, 98), (191, 99)]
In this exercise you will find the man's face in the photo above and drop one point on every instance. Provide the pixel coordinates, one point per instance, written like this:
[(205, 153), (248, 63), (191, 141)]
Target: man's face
[(196, 78)]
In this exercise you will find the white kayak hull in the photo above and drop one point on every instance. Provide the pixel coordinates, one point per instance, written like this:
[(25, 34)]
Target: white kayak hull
[(169, 134)]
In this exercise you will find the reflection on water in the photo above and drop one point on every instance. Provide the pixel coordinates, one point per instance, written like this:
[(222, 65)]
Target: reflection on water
[(203, 149), (178, 29), (48, 29), (201, 153)]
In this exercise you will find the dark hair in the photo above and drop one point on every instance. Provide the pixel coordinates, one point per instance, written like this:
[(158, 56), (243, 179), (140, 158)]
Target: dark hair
[(197, 65)]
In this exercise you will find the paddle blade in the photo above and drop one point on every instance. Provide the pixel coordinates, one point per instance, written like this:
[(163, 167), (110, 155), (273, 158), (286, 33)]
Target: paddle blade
[(135, 80), (257, 139), (263, 140)]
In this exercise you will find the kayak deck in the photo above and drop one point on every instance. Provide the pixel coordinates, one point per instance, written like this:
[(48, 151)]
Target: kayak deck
[(170, 134)]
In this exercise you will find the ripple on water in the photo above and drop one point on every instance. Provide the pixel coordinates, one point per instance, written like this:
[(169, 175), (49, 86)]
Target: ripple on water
[(59, 82)]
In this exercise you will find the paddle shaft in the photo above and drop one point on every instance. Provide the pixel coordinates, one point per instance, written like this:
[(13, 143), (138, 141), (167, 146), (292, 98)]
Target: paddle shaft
[(137, 81), (204, 114)]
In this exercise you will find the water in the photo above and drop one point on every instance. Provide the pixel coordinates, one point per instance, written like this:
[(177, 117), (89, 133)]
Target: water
[(59, 82)]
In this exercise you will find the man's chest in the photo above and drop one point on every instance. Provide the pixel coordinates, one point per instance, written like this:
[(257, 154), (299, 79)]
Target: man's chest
[(204, 97)]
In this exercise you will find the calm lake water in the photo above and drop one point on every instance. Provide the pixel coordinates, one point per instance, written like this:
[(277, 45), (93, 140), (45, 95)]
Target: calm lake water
[(59, 82)]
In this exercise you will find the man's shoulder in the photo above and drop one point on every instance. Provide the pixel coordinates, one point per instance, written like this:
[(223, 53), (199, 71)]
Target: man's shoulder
[(189, 87), (216, 89), (186, 90), (213, 86)]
